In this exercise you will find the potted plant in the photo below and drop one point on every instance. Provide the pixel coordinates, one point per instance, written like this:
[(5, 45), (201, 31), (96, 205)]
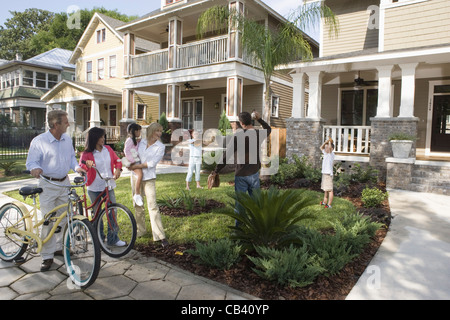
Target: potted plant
[(167, 133), (401, 144)]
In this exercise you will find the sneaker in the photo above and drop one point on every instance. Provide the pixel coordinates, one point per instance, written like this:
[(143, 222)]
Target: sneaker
[(322, 203), (138, 200), (120, 243), (328, 206)]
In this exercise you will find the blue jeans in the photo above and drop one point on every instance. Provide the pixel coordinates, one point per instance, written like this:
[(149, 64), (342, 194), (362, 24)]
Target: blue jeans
[(245, 184), (112, 237)]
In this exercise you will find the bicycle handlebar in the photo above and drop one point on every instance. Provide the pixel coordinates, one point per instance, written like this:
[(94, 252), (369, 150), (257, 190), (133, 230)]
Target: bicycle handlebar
[(76, 185), (98, 172)]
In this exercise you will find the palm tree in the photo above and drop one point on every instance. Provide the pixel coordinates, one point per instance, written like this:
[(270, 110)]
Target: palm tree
[(270, 48)]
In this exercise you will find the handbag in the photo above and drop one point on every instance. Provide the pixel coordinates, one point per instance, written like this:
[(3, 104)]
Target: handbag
[(213, 180)]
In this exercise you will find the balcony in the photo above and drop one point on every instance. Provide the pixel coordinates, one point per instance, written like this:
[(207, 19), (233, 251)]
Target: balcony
[(191, 55)]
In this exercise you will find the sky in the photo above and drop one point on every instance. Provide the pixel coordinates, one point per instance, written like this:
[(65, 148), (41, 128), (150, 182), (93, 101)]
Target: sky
[(128, 7)]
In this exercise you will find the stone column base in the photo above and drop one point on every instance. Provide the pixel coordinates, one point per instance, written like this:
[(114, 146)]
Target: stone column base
[(303, 138)]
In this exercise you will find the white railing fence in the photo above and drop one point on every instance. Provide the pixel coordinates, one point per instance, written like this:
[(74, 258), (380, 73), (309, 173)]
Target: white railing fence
[(148, 63), (203, 52), (349, 139)]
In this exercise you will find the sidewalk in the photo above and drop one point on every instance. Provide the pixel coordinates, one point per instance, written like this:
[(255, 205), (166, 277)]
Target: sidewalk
[(133, 277), (413, 262)]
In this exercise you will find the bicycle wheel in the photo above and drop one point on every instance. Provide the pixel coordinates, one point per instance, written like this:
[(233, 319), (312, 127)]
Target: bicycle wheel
[(81, 253), (118, 224), (12, 246)]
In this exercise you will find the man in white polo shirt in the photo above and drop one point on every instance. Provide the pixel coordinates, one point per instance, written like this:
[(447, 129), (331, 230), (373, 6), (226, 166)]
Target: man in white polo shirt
[(52, 155)]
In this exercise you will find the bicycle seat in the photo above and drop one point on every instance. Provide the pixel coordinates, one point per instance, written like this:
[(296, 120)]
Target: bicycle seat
[(29, 191)]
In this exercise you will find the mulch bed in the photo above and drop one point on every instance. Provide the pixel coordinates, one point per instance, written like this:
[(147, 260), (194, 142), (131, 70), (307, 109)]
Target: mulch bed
[(241, 276)]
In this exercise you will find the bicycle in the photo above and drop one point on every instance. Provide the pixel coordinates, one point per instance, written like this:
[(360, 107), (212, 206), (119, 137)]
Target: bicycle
[(110, 220), (19, 233)]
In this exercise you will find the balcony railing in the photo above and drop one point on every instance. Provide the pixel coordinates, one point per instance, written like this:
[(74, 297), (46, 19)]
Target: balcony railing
[(349, 139), (194, 54)]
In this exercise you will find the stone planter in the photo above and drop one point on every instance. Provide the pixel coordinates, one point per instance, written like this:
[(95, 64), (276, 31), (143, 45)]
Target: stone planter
[(401, 148)]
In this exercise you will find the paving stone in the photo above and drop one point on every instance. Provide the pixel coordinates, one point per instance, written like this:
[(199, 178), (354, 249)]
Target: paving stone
[(34, 296), (7, 294), (10, 275), (71, 296), (156, 290), (110, 288), (182, 278), (114, 268), (148, 271), (38, 282), (202, 291)]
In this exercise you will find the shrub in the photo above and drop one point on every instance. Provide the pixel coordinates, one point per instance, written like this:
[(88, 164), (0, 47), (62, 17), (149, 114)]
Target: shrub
[(359, 174), (8, 166), (291, 266), (221, 254), (373, 197), (269, 217), (401, 136)]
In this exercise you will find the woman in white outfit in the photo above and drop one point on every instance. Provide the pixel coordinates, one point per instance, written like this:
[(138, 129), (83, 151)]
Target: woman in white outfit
[(151, 151)]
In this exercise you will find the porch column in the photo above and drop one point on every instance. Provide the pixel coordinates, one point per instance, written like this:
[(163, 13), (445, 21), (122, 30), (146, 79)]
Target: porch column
[(71, 118), (315, 94), (298, 96), (95, 113), (175, 40), (385, 108), (127, 111), (129, 51), (408, 89), (235, 87), (234, 35)]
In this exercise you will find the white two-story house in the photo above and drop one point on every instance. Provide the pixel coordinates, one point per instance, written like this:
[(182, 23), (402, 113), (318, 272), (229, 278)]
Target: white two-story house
[(387, 71)]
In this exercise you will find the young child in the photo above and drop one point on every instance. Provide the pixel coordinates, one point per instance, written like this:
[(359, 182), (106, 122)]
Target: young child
[(131, 154), (327, 172), (195, 159)]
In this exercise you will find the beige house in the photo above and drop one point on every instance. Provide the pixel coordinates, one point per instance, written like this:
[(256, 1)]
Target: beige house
[(199, 79), (96, 96), (387, 71)]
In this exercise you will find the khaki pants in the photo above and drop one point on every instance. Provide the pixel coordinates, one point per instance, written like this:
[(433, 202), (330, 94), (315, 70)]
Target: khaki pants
[(148, 190), (50, 198)]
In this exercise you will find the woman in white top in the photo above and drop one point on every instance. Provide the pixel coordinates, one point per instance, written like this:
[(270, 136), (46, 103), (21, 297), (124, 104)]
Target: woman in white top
[(151, 151)]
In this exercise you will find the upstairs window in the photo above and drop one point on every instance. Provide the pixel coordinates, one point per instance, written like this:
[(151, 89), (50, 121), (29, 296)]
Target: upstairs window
[(101, 35), (112, 66), (41, 80), (52, 80), (101, 69), (28, 78), (275, 106), (89, 71)]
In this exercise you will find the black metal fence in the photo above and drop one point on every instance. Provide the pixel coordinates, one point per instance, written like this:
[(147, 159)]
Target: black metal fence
[(15, 142)]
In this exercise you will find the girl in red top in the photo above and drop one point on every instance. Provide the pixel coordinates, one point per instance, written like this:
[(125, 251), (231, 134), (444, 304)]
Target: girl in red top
[(101, 156)]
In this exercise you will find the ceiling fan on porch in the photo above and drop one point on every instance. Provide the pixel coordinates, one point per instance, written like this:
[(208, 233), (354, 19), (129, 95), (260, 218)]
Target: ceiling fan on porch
[(188, 86), (359, 82)]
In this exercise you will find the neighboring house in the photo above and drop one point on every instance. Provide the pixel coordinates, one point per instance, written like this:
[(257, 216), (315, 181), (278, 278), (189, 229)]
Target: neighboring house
[(387, 71), (23, 83), (94, 98), (200, 79)]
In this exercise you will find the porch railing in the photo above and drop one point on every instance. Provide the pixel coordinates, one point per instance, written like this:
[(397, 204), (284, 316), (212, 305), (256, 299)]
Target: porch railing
[(112, 136), (194, 54), (349, 139)]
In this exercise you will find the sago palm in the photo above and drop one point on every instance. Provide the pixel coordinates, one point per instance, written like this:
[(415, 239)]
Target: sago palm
[(269, 217), (269, 47)]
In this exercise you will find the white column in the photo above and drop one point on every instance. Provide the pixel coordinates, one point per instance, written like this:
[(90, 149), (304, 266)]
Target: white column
[(298, 96), (235, 87), (173, 104), (385, 108), (71, 118), (95, 113), (315, 94), (127, 105), (408, 89)]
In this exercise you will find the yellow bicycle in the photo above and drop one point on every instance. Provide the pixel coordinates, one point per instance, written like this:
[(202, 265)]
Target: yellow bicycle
[(19, 233)]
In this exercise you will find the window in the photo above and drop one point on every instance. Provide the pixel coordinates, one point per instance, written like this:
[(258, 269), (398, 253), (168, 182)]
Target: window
[(101, 69), (358, 106), (28, 76), (112, 66), (141, 110), (52, 80), (41, 80), (89, 71), (17, 77), (275, 106), (101, 35)]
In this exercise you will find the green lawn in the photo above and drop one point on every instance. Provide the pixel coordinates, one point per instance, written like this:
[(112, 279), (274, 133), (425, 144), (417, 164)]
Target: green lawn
[(213, 225)]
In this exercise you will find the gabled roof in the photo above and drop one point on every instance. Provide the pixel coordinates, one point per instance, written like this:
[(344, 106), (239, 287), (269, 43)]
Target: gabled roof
[(112, 25), (89, 88)]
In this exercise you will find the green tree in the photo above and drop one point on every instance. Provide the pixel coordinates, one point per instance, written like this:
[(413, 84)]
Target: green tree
[(270, 47), (16, 34)]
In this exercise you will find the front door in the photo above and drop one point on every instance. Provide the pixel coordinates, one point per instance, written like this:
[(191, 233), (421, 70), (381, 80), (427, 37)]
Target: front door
[(192, 114), (440, 131)]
